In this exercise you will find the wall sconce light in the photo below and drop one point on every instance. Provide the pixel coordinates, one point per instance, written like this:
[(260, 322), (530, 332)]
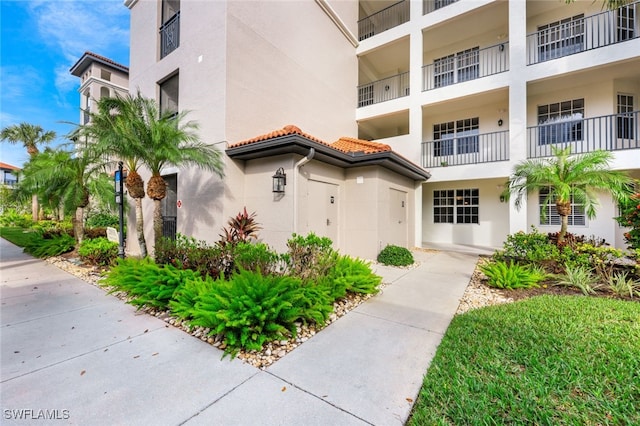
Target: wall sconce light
[(502, 199), (279, 181), (501, 47), (500, 122)]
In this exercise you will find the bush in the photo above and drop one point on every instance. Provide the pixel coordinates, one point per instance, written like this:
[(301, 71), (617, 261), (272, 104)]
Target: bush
[(50, 228), (47, 247), (630, 217), (256, 257), (98, 251), (511, 276), (395, 256), (187, 295), (310, 257), (623, 286), (188, 253), (579, 277), (102, 220), (95, 233), (147, 283), (351, 275), (252, 308), (13, 218), (533, 247)]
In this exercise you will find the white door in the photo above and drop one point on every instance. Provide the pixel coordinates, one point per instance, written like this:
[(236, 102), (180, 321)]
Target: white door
[(323, 209), (398, 226)]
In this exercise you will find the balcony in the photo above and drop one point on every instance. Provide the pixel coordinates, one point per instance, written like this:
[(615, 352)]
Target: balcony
[(472, 149), (86, 116), (574, 35), (609, 133), (467, 65), (429, 6), (383, 90), (170, 35), (387, 18)]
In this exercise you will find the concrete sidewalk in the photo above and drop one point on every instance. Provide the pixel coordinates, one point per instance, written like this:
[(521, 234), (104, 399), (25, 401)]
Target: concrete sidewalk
[(71, 352)]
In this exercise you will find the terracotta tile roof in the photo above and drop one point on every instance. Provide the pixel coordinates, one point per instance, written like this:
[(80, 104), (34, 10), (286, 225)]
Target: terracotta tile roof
[(358, 145), (343, 144), (83, 63), (8, 166), (285, 131)]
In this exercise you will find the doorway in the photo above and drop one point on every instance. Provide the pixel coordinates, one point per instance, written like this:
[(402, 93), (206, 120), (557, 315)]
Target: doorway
[(323, 209)]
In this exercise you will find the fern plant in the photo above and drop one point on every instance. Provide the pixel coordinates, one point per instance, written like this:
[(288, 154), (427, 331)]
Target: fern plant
[(251, 308), (511, 275), (187, 295), (47, 247), (579, 277), (353, 275)]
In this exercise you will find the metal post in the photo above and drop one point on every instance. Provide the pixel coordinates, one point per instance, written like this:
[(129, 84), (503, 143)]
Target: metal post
[(120, 198)]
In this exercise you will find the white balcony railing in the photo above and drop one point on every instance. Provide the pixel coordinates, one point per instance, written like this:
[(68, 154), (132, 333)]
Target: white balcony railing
[(609, 132), (468, 65), (383, 20), (571, 36), (383, 90), (468, 149), (429, 6)]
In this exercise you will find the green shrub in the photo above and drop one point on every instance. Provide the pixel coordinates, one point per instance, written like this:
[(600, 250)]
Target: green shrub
[(51, 229), (252, 308), (533, 247), (102, 220), (579, 277), (187, 294), (511, 276), (98, 251), (146, 282), (351, 275), (255, 257), (90, 233), (11, 218), (47, 247), (395, 256), (310, 257), (188, 253)]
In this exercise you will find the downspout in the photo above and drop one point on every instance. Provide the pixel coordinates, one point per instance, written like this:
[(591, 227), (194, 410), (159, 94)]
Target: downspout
[(296, 169)]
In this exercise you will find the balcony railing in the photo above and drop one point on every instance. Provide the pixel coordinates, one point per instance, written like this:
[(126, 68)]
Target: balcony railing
[(387, 18), (472, 149), (577, 35), (170, 35), (383, 90), (468, 65), (609, 133), (429, 6), (86, 116)]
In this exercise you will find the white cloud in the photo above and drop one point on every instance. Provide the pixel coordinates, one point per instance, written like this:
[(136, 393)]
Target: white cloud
[(19, 82), (75, 26)]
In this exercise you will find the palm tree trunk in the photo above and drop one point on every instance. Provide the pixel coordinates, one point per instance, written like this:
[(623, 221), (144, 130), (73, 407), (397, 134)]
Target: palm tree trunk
[(34, 207), (564, 210), (157, 221), (140, 228), (78, 225)]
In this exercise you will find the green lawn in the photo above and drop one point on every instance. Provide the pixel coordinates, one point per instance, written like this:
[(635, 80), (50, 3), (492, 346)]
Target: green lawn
[(548, 360), (18, 236)]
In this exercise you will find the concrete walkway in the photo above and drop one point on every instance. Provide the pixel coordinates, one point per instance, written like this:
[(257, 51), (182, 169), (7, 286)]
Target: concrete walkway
[(71, 352)]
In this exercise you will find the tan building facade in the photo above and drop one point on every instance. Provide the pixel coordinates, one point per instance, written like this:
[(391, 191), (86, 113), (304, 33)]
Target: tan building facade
[(458, 101)]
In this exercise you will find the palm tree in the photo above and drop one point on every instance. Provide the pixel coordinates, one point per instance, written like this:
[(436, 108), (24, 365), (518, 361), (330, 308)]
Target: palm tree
[(172, 142), (115, 131), (30, 136), (566, 176), (68, 178)]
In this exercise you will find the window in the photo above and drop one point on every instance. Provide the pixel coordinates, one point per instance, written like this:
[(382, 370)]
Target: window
[(561, 38), (170, 28), (463, 202), (576, 218), (625, 122), (365, 95), (104, 92), (625, 22), (462, 66), (105, 75), (169, 90), (560, 122), (459, 136)]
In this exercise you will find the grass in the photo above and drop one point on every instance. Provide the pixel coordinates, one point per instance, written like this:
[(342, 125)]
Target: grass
[(547, 360), (19, 236)]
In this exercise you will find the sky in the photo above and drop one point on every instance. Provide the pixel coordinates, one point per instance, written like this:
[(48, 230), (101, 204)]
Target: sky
[(39, 43)]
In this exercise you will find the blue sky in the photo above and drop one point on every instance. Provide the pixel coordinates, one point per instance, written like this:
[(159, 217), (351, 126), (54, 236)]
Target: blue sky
[(40, 41)]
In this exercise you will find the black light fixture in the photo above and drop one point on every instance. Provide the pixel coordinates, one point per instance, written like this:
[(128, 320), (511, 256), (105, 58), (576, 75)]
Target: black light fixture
[(500, 122), (279, 181)]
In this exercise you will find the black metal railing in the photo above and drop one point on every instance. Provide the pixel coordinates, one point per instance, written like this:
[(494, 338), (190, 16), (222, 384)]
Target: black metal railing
[(609, 132), (383, 90), (170, 35), (429, 6), (468, 149), (169, 226), (578, 35), (385, 19), (468, 65)]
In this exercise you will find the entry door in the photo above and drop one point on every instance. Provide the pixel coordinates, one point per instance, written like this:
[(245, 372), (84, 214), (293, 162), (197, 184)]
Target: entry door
[(169, 207), (399, 226), (323, 209)]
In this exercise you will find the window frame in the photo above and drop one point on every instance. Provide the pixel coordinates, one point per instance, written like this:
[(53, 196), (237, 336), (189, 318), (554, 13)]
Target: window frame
[(561, 38), (165, 90), (625, 120), (561, 122), (456, 206), (577, 217), (457, 137)]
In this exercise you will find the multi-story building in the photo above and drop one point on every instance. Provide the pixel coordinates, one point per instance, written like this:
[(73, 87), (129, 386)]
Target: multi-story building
[(9, 177), (99, 77), (454, 93)]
